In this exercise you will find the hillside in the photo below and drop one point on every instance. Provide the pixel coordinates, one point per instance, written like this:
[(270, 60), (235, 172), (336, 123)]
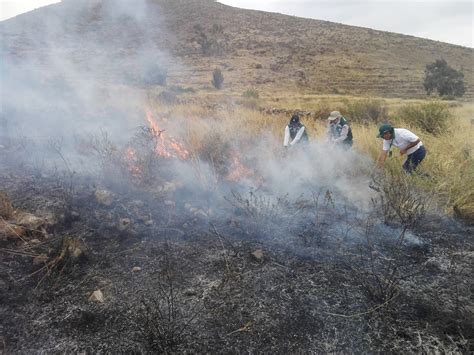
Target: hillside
[(272, 52)]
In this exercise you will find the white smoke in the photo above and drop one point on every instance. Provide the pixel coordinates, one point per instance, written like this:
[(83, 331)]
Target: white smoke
[(76, 67)]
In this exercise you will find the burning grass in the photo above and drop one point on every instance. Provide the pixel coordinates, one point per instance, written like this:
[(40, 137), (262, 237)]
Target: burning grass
[(227, 143), (449, 160), (204, 237)]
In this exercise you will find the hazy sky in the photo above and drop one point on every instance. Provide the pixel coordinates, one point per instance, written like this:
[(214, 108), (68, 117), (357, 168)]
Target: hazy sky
[(10, 8), (443, 20)]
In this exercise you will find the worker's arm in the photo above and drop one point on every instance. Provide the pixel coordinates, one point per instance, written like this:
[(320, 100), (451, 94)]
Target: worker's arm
[(382, 157), (344, 133), (298, 136), (287, 136), (411, 145)]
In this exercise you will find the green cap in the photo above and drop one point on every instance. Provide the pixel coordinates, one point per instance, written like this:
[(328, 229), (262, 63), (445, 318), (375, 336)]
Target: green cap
[(385, 128)]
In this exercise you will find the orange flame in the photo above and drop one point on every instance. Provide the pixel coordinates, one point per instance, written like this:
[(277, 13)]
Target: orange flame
[(131, 161), (167, 146), (238, 171)]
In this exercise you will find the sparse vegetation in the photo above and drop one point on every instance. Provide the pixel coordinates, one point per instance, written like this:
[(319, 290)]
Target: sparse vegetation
[(251, 94)]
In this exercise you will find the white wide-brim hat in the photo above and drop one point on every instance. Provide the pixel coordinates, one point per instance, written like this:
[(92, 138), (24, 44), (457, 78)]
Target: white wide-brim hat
[(334, 115)]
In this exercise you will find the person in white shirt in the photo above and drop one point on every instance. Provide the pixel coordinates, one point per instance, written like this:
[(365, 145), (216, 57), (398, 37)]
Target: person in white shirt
[(339, 132), (408, 143), (295, 132)]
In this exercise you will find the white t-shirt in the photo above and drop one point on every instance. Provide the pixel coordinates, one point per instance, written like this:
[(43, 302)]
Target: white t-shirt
[(403, 137)]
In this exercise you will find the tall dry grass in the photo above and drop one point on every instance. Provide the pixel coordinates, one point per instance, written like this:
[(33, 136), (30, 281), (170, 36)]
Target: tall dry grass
[(449, 162)]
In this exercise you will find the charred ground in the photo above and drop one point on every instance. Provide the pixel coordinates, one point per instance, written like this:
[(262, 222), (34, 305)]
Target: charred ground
[(257, 276)]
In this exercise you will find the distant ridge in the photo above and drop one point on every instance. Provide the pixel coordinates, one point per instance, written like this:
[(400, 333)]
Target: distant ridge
[(271, 52)]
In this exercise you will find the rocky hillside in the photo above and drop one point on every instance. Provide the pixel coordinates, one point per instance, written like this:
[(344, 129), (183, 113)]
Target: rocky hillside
[(272, 52)]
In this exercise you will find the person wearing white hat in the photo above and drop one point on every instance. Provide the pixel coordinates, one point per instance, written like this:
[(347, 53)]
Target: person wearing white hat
[(339, 131)]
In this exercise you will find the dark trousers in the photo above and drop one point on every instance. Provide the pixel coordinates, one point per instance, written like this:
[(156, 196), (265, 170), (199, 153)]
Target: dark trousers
[(347, 145), (414, 159)]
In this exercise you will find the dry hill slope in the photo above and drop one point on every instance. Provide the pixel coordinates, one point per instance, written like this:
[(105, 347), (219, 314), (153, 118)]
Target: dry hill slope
[(271, 52)]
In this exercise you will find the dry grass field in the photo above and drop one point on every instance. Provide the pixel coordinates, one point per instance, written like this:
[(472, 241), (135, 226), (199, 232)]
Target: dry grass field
[(450, 154)]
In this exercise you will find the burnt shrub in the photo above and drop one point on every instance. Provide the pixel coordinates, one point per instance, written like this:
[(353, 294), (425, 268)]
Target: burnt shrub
[(382, 277), (432, 117), (400, 199), (165, 318), (141, 162)]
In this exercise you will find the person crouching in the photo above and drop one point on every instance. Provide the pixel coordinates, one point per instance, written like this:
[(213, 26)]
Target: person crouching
[(408, 143)]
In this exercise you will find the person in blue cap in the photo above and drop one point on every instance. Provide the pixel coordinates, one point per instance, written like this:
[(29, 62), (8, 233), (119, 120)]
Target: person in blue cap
[(408, 143)]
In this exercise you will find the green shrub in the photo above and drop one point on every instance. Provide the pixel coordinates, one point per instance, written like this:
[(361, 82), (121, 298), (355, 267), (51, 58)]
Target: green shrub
[(251, 94), (217, 78), (447, 81), (431, 117), (366, 110)]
